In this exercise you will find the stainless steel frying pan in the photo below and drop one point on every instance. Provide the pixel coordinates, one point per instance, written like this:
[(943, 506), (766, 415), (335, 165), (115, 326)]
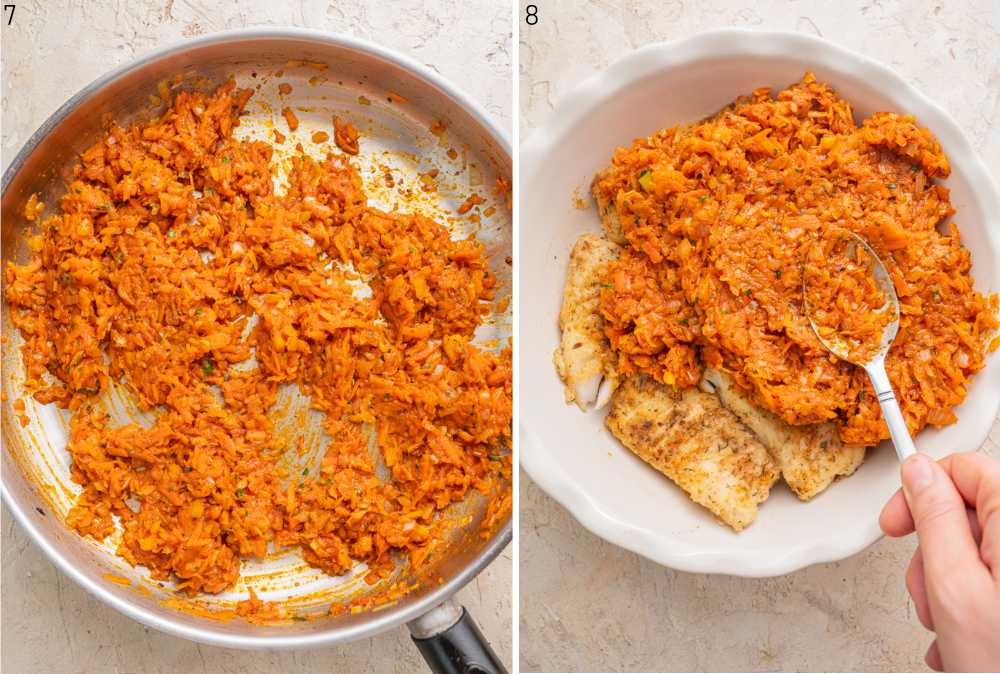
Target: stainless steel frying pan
[(395, 102)]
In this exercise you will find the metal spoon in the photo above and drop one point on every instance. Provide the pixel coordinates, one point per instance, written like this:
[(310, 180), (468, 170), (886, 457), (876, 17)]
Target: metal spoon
[(875, 366)]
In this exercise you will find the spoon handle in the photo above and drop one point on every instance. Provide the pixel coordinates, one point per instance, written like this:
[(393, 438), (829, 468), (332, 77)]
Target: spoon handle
[(890, 409)]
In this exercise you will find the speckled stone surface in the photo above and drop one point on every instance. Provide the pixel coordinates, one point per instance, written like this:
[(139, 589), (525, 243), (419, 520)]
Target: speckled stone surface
[(54, 48), (588, 605)]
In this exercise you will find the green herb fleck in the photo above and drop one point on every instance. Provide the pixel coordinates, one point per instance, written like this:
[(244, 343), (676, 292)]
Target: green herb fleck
[(646, 181), (748, 292), (357, 490), (172, 234), (607, 285), (104, 207), (683, 321), (226, 159), (188, 469), (207, 366), (777, 273), (239, 494), (298, 618), (703, 198), (914, 167), (305, 471)]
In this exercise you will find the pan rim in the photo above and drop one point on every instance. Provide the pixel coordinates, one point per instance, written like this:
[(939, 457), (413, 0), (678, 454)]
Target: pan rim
[(379, 621)]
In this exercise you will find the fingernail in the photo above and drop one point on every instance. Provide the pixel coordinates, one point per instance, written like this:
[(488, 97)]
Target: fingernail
[(917, 473)]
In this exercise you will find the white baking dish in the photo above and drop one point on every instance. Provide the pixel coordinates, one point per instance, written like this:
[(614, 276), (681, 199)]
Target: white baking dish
[(571, 455)]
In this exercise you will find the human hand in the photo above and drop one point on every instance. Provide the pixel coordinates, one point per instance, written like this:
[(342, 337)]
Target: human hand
[(954, 576)]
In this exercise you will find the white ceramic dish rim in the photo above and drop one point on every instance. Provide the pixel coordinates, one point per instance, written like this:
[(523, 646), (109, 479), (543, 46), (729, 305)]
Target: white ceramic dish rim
[(538, 462)]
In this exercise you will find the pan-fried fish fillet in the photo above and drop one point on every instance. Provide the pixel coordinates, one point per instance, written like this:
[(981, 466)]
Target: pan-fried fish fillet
[(609, 216), (688, 436), (584, 358), (810, 457)]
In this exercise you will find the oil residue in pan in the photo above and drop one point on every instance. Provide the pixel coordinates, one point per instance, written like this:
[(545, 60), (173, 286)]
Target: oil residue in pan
[(409, 161)]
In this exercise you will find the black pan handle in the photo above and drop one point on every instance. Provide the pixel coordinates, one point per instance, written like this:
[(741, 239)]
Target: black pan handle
[(451, 642)]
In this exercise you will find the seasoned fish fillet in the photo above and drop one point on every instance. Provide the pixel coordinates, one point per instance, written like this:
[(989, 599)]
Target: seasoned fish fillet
[(688, 436), (810, 457), (609, 217), (584, 359)]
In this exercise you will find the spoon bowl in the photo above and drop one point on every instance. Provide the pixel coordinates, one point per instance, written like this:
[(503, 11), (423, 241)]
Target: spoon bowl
[(834, 343), (874, 365)]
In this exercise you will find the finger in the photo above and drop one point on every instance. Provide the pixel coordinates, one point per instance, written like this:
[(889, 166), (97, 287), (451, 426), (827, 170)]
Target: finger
[(973, 474), (977, 479), (977, 533), (895, 518), (933, 658), (939, 516), (918, 591)]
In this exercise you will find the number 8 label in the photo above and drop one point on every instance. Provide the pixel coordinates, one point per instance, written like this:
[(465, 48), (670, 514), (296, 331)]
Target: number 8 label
[(532, 17)]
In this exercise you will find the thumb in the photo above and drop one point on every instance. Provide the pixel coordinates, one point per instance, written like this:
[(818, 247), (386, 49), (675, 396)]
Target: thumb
[(939, 516)]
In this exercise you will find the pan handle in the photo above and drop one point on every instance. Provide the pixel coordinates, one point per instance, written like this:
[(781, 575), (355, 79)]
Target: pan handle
[(451, 643)]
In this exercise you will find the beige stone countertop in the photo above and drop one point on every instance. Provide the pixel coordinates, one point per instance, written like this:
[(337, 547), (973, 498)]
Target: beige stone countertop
[(588, 605), (54, 48)]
